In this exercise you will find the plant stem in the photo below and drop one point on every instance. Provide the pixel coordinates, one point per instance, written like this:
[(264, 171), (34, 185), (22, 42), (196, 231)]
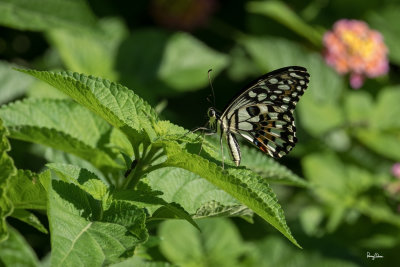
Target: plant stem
[(143, 166)]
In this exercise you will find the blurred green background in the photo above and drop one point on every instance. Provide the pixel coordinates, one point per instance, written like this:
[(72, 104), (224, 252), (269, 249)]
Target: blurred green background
[(348, 139)]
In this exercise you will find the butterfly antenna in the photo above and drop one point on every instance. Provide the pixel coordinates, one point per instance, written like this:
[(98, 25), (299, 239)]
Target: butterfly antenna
[(212, 88)]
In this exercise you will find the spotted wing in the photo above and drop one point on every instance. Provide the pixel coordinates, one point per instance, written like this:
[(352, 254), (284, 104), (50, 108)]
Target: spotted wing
[(263, 113)]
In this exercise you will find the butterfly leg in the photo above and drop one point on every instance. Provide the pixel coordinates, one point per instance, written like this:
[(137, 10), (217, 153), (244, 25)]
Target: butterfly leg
[(222, 149)]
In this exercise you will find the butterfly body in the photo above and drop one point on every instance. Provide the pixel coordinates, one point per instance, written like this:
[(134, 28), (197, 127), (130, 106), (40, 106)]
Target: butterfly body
[(262, 113)]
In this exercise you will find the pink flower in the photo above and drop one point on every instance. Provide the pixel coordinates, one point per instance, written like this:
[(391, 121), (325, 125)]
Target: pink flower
[(352, 47), (396, 170)]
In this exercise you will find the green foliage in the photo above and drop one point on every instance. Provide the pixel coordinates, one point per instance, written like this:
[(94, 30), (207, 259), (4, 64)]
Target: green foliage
[(98, 167), (16, 251)]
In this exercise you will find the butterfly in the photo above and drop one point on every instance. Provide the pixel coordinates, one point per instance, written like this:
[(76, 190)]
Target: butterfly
[(262, 113)]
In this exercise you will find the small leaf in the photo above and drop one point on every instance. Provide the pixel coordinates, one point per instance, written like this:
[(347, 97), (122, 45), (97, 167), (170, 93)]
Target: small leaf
[(41, 15), (15, 251), (83, 178), (26, 190), (29, 218), (215, 209)]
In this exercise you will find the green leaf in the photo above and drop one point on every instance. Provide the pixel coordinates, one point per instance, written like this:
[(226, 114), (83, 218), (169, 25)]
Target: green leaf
[(82, 178), (113, 102), (139, 262), (379, 211), (90, 51), (340, 186), (15, 251), (359, 107), (218, 243), (378, 128), (186, 60), (158, 209), (272, 251), (12, 83), (42, 15), (84, 231), (26, 190), (244, 185), (188, 189), (216, 209), (269, 168), (7, 171), (64, 125), (382, 20), (387, 110), (166, 63), (283, 14), (29, 218), (387, 144)]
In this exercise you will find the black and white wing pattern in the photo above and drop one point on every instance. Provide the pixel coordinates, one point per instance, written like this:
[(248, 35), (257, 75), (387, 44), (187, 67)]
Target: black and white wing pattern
[(263, 112)]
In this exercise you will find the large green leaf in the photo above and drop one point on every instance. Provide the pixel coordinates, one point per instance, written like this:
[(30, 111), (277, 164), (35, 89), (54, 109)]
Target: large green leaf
[(15, 251), (155, 60), (62, 124), (88, 228), (243, 184), (185, 61), (89, 51), (113, 102), (7, 171), (42, 15)]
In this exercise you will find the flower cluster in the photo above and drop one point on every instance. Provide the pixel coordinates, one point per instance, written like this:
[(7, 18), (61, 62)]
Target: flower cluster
[(352, 47), (182, 14)]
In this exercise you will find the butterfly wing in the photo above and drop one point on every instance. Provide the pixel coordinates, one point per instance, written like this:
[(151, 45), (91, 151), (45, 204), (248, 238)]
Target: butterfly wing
[(263, 112)]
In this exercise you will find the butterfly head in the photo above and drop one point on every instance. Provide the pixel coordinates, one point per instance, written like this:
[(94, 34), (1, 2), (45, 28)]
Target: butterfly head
[(213, 116)]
